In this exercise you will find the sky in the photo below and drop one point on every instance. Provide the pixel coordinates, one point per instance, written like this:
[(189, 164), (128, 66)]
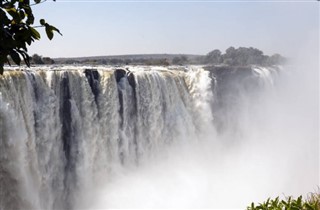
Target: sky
[(105, 27)]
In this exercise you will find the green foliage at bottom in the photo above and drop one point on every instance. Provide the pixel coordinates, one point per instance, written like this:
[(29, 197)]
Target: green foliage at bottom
[(312, 202)]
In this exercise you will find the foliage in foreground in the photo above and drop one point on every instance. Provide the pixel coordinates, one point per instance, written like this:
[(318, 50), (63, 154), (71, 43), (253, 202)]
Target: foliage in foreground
[(17, 30), (311, 203)]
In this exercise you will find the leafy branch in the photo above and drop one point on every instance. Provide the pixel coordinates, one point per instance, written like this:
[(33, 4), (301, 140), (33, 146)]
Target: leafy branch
[(17, 30)]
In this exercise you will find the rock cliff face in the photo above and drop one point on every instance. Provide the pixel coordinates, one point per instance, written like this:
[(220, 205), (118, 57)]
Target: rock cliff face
[(235, 88)]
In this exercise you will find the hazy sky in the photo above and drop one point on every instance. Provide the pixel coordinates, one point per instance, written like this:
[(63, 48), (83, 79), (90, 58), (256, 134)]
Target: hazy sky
[(92, 28)]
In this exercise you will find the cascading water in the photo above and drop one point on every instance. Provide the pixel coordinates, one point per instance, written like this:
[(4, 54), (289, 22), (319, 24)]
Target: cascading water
[(62, 130), (65, 131)]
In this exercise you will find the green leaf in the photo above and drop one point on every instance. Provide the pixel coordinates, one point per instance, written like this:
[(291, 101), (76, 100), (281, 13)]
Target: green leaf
[(284, 202), (309, 207), (34, 33), (267, 202), (30, 19), (11, 9), (8, 61), (28, 41), (29, 14), (42, 22), (14, 14), (25, 56), (22, 14), (15, 57), (317, 204), (299, 201), (55, 29), (49, 31), (9, 4)]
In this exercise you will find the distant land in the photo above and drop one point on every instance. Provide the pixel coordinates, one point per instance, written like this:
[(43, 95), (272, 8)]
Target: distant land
[(133, 57), (136, 59), (241, 56)]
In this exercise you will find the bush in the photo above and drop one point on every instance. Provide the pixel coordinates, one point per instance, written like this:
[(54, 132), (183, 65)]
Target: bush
[(312, 202)]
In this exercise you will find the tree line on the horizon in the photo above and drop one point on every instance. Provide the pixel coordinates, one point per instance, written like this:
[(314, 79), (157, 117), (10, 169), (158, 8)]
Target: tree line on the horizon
[(38, 59), (241, 56)]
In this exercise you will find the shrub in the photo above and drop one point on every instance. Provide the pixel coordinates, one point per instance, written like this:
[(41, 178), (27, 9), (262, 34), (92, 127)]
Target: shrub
[(312, 202)]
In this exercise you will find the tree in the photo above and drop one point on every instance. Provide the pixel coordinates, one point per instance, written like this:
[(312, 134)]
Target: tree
[(276, 59), (37, 59), (242, 56), (230, 56), (213, 57), (17, 30), (47, 60), (180, 60)]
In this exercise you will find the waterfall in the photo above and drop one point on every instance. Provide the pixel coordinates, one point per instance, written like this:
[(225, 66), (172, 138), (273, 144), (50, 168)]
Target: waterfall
[(63, 130), (145, 136)]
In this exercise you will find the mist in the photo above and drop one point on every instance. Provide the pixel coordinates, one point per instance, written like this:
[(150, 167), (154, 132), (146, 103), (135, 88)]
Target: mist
[(274, 152)]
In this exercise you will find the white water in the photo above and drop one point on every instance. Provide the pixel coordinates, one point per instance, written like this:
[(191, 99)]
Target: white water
[(153, 144)]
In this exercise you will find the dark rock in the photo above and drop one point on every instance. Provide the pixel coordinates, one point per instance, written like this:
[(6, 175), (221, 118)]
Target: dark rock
[(119, 73), (93, 78)]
